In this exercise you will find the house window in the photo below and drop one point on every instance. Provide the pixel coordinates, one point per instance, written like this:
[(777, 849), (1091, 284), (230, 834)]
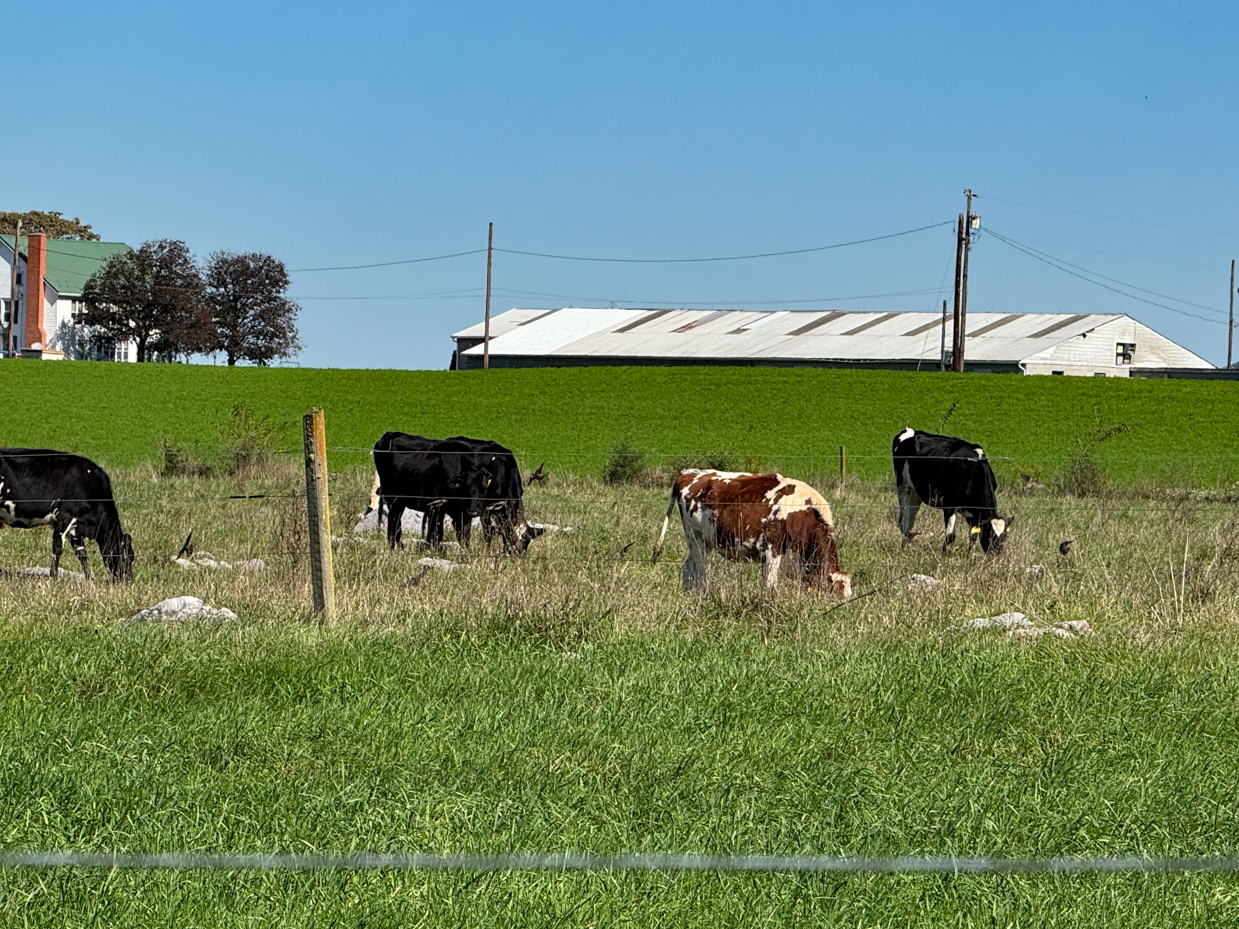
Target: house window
[(1057, 372), (120, 351), (1123, 352)]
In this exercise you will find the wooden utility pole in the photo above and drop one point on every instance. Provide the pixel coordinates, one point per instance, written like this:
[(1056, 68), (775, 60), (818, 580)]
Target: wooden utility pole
[(963, 282), (490, 247), (957, 357), (942, 350), (17, 237), (1230, 333), (321, 578)]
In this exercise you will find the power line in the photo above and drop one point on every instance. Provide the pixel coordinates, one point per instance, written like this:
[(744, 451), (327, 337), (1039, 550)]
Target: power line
[(797, 251), (1115, 280), (1054, 263), (729, 303), (1117, 219), (387, 264)]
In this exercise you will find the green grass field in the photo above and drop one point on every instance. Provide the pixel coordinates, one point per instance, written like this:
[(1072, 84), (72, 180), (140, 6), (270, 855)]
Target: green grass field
[(1181, 432), (576, 701)]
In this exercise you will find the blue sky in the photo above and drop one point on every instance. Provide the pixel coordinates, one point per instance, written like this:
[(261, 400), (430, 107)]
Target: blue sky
[(349, 134)]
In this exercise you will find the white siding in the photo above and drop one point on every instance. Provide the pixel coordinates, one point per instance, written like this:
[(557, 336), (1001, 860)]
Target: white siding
[(1094, 353)]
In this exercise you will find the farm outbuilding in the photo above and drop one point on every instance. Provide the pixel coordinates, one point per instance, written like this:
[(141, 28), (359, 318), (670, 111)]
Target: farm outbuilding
[(1088, 344)]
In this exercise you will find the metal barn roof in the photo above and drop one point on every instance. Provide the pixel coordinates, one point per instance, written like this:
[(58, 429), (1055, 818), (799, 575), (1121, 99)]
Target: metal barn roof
[(667, 336)]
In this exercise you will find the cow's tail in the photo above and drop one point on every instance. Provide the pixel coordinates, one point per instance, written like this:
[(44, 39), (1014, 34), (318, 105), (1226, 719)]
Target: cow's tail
[(662, 533)]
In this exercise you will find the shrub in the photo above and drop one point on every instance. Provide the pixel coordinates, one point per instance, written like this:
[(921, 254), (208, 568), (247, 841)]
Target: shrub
[(1084, 475), (243, 441), (625, 465)]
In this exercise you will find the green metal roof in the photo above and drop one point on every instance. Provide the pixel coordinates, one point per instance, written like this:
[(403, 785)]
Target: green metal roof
[(70, 263)]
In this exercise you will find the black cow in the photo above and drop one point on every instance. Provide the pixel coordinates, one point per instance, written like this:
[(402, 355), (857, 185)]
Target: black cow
[(433, 476), (952, 475), (457, 477), (40, 487), (503, 509)]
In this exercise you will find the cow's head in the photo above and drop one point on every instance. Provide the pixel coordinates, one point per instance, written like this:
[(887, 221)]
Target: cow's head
[(994, 534), (840, 584), (118, 557)]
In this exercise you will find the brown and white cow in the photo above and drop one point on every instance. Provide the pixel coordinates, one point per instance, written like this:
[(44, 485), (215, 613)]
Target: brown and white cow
[(781, 522)]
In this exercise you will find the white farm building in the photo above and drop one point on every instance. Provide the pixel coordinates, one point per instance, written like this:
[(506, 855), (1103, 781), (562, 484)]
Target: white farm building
[(50, 276), (1086, 344)]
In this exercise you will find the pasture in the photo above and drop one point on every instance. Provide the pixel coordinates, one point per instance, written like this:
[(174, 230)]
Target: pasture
[(1181, 433), (576, 700)]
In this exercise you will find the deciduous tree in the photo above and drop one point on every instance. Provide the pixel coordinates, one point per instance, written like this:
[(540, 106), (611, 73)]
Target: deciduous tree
[(153, 296), (51, 224), (254, 320)]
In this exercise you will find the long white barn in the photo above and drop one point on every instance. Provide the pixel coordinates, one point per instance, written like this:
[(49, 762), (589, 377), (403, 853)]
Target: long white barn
[(1088, 344)]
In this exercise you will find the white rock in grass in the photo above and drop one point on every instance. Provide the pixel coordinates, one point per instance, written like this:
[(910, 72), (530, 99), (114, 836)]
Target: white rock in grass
[(47, 572), (921, 582), (178, 608), (205, 560), (551, 527), (442, 564), (1002, 621), (1074, 627), (1025, 633)]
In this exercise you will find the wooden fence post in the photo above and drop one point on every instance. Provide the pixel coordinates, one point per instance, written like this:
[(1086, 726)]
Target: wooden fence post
[(321, 578)]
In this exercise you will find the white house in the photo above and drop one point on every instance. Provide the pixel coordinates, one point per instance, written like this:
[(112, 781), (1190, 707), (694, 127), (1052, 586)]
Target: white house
[(1089, 344), (50, 276)]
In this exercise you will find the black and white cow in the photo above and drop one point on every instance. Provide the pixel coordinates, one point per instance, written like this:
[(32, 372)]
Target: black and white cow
[(953, 476), (41, 487)]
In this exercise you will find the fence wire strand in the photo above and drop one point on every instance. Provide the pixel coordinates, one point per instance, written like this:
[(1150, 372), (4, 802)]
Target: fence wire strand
[(633, 862)]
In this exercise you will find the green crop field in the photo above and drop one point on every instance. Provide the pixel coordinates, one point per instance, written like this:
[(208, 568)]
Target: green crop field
[(578, 700), (1179, 432)]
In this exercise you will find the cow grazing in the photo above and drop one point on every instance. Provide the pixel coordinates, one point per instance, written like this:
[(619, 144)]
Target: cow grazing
[(782, 523), (457, 477), (953, 476), (40, 487)]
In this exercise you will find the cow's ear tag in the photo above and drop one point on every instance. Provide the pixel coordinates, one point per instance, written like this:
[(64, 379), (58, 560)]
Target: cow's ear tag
[(975, 530)]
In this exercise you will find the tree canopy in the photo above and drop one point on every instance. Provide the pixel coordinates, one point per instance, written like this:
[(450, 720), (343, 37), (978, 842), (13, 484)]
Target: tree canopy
[(253, 319), (154, 296), (51, 224)]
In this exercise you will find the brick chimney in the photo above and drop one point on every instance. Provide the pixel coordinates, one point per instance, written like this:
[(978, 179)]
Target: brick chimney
[(36, 267)]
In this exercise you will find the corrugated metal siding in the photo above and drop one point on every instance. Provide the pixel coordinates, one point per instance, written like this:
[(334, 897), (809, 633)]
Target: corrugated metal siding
[(803, 337)]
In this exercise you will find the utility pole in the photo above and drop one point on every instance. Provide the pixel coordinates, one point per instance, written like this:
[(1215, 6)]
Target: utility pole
[(957, 357), (17, 237), (490, 247), (942, 350), (1230, 333), (970, 219)]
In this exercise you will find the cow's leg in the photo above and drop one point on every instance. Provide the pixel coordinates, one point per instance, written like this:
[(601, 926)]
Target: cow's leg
[(909, 504), (770, 563), (948, 517), (434, 524), (395, 512), (79, 549), (974, 530), (58, 546), (693, 574)]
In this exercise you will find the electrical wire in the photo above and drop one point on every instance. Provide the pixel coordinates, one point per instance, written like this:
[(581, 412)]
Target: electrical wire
[(1117, 219), (1056, 263), (797, 251)]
